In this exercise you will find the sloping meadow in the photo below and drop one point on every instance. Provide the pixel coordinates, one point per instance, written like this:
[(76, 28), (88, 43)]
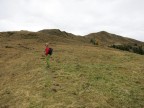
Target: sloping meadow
[(79, 76)]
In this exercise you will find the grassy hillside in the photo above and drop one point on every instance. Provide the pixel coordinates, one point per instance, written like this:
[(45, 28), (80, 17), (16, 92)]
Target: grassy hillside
[(80, 75), (106, 38)]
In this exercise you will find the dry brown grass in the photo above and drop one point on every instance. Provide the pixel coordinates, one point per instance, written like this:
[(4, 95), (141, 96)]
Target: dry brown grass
[(80, 76)]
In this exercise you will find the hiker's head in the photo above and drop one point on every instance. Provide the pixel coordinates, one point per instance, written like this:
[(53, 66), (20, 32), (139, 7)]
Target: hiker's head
[(47, 44)]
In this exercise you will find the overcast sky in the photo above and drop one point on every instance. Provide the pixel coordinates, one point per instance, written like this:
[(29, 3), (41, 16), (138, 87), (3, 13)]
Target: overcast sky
[(80, 17)]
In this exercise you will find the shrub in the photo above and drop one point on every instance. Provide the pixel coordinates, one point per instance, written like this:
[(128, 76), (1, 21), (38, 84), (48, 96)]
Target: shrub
[(130, 48), (93, 41)]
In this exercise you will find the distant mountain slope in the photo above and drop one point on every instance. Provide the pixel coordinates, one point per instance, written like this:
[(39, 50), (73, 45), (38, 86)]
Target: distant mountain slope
[(46, 35), (68, 37), (106, 38), (56, 35), (56, 32)]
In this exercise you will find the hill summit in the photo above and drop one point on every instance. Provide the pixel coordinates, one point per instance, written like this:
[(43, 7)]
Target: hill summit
[(109, 38), (103, 37)]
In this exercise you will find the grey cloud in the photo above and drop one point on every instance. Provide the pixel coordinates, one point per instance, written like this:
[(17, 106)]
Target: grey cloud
[(123, 17)]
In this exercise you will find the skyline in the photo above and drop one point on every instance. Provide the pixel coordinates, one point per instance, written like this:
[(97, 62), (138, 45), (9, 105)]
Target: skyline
[(80, 17)]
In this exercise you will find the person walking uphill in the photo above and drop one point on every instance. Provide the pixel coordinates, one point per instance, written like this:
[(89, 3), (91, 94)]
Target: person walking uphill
[(47, 50)]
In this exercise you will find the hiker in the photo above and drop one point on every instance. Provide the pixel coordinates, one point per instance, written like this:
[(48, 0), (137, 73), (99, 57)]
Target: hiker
[(47, 49)]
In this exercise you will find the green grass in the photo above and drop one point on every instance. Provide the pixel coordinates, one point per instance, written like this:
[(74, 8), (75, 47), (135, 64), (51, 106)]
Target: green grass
[(85, 83), (78, 77)]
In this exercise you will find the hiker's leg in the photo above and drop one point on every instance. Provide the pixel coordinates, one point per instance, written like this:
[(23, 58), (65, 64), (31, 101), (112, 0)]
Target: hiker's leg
[(47, 60)]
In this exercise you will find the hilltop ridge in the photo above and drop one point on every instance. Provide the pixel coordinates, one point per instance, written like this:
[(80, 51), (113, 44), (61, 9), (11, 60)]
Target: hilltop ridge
[(56, 32), (109, 38), (103, 37)]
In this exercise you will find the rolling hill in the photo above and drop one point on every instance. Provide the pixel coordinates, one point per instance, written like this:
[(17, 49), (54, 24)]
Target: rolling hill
[(106, 38), (81, 75), (55, 35)]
